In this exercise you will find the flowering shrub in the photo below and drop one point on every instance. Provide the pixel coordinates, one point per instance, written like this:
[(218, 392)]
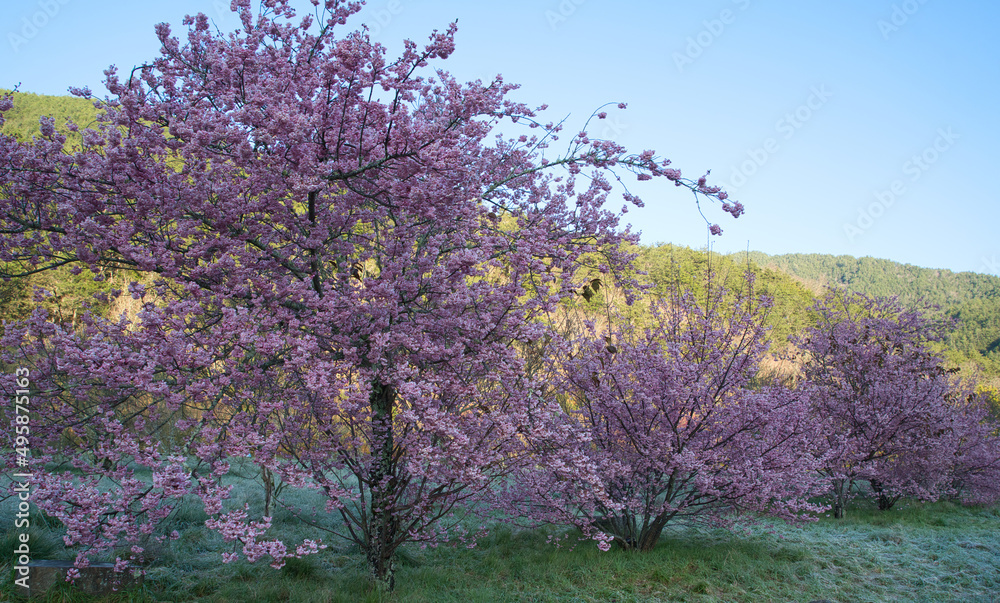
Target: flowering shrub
[(892, 415), (674, 428)]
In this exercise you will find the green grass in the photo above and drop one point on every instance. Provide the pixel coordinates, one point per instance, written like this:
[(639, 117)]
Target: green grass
[(916, 552)]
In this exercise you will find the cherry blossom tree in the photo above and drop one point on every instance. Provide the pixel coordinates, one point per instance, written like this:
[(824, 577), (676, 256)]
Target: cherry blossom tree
[(974, 474), (883, 397), (334, 255), (674, 427)]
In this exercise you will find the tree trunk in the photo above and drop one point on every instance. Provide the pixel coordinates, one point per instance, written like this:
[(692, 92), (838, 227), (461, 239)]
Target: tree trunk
[(885, 500), (629, 535), (651, 534), (622, 527), (382, 530), (268, 478), (840, 488)]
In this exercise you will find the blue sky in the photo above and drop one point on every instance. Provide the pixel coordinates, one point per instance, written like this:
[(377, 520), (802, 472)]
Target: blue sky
[(852, 127)]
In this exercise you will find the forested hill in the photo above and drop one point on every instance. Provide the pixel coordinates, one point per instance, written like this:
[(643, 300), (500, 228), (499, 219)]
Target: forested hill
[(972, 298), (872, 276)]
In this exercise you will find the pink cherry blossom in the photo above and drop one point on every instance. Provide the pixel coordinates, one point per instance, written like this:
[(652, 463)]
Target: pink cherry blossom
[(672, 427), (892, 416)]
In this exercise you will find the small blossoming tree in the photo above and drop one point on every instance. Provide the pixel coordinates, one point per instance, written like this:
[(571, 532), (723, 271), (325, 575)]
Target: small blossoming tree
[(974, 474), (335, 255), (883, 397), (673, 426)]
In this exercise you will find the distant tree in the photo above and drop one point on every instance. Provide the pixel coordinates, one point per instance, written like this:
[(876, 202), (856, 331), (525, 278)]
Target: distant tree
[(974, 299), (882, 397), (975, 471), (341, 269), (672, 426)]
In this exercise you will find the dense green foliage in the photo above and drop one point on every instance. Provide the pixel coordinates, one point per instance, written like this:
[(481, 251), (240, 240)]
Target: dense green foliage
[(667, 265), (882, 278), (978, 332), (63, 294), (972, 298)]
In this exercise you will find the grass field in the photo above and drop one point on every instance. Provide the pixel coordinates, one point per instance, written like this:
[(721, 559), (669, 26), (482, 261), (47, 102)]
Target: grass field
[(916, 552)]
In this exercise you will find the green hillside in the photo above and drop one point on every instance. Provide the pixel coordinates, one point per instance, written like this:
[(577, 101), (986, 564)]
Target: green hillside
[(21, 122), (667, 264), (972, 298)]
